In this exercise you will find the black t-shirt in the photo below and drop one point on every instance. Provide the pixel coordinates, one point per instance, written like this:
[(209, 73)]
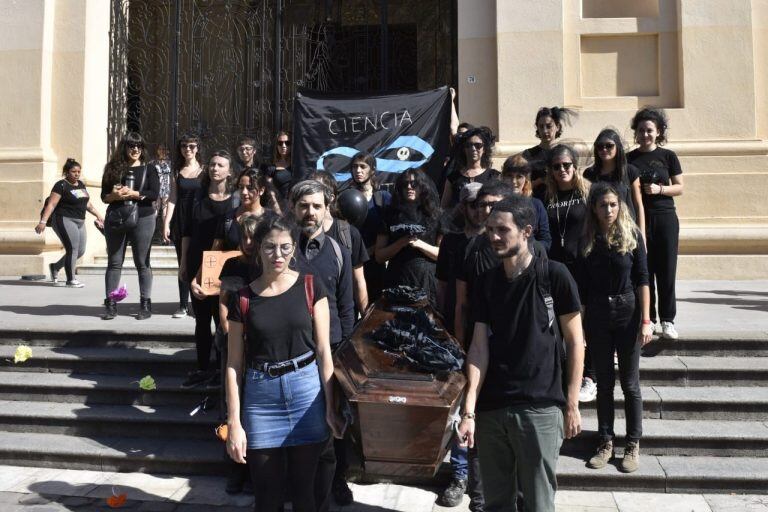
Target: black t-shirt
[(458, 180), (605, 272), (278, 328), (205, 219), (228, 230), (524, 361), (536, 157), (452, 250), (357, 250), (74, 199), (150, 190), (657, 167), (235, 274), (593, 175), (566, 217)]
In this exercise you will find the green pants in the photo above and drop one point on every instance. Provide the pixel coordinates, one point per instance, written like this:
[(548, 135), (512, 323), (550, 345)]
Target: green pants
[(519, 444)]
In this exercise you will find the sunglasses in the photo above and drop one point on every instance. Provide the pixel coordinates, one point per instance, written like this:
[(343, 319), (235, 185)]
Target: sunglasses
[(476, 145), (285, 249), (563, 165), (485, 204), (605, 146), (411, 184), (135, 145), (283, 143), (190, 147)]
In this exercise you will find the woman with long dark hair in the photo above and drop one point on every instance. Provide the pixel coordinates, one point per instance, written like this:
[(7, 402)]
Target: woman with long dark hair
[(65, 209), (473, 164), (127, 179), (185, 187), (661, 177), (279, 169), (251, 187), (363, 171), (208, 212), (613, 286), (611, 165), (408, 238), (280, 356)]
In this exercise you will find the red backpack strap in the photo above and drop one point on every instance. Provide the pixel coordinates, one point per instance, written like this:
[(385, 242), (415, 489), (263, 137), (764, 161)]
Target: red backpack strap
[(245, 302), (309, 293)]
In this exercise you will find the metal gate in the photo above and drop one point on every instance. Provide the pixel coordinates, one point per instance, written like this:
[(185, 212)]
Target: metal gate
[(225, 68)]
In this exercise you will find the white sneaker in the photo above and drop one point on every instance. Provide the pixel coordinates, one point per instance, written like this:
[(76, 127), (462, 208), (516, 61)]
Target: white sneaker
[(668, 331), (657, 328), (588, 391), (75, 284)]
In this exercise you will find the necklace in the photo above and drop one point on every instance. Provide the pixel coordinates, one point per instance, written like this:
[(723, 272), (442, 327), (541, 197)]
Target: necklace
[(562, 228)]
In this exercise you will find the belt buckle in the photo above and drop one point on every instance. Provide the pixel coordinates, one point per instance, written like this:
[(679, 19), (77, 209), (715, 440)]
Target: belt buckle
[(276, 369)]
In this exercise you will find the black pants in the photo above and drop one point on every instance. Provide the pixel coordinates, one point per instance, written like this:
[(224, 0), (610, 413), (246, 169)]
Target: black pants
[(205, 311), (603, 340), (183, 285), (332, 464), (284, 473), (140, 239), (663, 235)]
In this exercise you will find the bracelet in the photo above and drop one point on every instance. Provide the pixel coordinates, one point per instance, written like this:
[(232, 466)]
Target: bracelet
[(646, 322), (42, 222), (468, 416), (661, 190)]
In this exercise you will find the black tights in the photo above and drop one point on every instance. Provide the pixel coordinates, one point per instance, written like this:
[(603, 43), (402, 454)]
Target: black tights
[(291, 469)]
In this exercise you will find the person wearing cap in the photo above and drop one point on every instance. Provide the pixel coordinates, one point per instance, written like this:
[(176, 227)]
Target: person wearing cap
[(453, 246)]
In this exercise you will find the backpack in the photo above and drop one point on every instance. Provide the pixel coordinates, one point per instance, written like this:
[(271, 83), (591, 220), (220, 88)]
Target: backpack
[(345, 233)]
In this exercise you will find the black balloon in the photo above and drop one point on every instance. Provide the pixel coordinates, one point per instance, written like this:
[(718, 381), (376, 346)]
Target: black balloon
[(353, 206)]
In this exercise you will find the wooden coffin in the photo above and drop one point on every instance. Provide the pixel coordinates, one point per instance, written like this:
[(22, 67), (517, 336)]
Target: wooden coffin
[(403, 418)]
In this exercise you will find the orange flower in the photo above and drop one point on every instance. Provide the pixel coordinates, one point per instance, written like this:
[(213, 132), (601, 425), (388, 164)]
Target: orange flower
[(116, 500)]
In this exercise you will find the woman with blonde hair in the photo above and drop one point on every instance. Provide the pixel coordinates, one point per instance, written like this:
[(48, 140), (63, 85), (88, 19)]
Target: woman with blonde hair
[(613, 285)]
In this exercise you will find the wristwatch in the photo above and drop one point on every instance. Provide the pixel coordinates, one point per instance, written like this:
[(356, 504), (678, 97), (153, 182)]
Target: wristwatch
[(468, 416)]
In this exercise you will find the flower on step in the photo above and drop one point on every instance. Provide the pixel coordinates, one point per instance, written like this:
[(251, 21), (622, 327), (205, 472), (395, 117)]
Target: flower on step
[(22, 353), (116, 500), (147, 383), (119, 293)]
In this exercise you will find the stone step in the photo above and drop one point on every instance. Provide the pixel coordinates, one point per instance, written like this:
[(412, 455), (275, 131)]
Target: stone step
[(742, 344), (703, 371), (159, 269), (99, 389), (103, 360), (685, 438), (152, 455), (678, 403), (86, 420), (98, 338), (671, 474)]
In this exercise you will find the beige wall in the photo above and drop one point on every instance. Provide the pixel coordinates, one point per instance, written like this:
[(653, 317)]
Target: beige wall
[(55, 56)]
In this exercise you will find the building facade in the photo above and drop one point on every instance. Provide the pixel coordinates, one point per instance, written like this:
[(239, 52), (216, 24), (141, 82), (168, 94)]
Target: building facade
[(704, 61)]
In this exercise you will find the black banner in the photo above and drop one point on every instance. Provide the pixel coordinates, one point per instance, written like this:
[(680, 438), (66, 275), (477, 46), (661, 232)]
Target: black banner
[(403, 131)]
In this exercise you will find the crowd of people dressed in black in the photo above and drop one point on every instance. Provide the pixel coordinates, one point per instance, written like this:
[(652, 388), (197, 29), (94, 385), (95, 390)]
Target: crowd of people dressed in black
[(528, 267)]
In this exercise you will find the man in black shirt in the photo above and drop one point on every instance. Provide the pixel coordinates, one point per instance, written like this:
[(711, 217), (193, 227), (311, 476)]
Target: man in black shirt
[(331, 262), (514, 365)]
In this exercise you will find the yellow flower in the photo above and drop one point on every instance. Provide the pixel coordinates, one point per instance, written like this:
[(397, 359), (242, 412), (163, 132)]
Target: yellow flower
[(22, 353)]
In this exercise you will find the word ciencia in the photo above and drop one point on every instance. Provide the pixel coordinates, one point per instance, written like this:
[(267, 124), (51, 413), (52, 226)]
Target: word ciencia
[(369, 122)]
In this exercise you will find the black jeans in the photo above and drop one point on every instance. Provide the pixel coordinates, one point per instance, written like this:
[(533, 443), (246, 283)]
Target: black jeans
[(663, 236), (205, 311), (183, 285), (603, 339), (140, 238)]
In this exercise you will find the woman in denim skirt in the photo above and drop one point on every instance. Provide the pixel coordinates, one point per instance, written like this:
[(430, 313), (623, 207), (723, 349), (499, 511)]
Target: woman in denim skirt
[(279, 352)]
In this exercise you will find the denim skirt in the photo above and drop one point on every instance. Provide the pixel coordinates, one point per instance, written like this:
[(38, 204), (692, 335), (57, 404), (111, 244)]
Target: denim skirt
[(284, 411)]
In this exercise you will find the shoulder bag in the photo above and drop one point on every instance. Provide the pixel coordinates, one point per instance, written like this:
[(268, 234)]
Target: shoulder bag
[(125, 217)]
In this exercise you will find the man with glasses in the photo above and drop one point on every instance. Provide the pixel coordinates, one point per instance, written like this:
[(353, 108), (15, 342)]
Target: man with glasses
[(327, 260), (453, 246)]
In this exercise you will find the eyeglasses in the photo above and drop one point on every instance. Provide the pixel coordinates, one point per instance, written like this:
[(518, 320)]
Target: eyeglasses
[(605, 146), (476, 145), (562, 165), (135, 145), (190, 147), (245, 148), (283, 143), (285, 249)]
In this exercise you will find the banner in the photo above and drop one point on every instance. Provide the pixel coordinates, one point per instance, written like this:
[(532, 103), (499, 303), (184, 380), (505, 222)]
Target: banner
[(403, 131)]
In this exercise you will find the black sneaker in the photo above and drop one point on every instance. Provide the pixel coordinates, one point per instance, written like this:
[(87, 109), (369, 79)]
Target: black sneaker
[(214, 381), (453, 495), (195, 378), (342, 494), (180, 313)]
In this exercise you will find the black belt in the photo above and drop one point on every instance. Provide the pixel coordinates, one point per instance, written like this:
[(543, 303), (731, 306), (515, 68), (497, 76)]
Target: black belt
[(283, 367)]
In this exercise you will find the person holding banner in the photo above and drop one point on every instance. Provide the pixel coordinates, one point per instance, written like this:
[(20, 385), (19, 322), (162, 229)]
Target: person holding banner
[(474, 164), (408, 237)]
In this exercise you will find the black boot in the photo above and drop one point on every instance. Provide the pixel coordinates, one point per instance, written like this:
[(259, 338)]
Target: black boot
[(111, 309), (145, 309)]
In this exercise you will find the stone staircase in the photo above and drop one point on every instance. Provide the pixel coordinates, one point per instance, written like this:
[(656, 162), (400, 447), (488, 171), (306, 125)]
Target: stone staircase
[(162, 259), (77, 404)]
